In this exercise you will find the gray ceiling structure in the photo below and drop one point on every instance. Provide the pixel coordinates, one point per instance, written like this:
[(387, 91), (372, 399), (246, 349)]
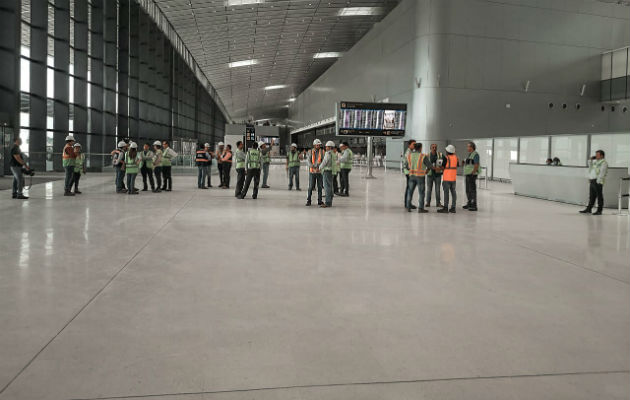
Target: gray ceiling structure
[(282, 35)]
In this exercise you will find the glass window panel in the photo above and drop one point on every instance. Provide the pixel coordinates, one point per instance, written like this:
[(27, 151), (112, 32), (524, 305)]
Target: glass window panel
[(615, 145), (25, 75), (606, 64), (505, 152), (571, 150), (619, 59), (484, 148), (534, 150)]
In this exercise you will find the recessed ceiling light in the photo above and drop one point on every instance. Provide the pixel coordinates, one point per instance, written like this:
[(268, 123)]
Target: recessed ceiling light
[(243, 63), (230, 3), (353, 11), (273, 87), (329, 54), (292, 99)]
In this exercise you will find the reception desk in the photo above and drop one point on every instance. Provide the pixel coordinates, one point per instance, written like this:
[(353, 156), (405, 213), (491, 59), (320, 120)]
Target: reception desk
[(565, 184)]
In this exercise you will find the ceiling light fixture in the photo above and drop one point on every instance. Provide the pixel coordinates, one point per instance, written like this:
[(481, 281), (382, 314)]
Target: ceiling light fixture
[(292, 99), (329, 54), (355, 11), (273, 87), (230, 3), (243, 63)]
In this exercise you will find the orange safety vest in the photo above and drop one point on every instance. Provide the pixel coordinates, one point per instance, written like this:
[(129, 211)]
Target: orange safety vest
[(319, 158), (64, 154), (418, 169), (450, 170)]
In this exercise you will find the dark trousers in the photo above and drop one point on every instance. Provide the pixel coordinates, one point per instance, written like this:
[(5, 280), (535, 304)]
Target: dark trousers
[(344, 179), (335, 183), (434, 180), (596, 191), (166, 175), (131, 181), (158, 176), (471, 189), (69, 177), (209, 173), (294, 172), (120, 178), (76, 179), (449, 186), (406, 189), (147, 174), (412, 183), (220, 166), (328, 186), (315, 179), (252, 173), (240, 180), (227, 167), (18, 180)]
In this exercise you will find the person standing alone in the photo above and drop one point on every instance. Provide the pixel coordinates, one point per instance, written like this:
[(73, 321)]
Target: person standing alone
[(597, 171), (68, 157), (17, 163), (293, 166), (471, 170)]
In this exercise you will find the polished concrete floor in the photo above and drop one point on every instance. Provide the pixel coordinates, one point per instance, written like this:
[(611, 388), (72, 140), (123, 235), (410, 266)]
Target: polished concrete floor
[(196, 295)]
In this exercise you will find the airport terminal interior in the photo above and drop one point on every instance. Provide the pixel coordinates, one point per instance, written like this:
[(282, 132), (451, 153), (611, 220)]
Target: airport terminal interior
[(306, 199)]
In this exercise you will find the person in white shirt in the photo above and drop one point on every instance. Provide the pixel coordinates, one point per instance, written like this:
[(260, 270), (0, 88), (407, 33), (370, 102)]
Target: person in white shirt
[(597, 170)]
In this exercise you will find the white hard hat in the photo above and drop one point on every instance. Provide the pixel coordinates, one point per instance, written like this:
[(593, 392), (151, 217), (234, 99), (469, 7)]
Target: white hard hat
[(261, 143), (157, 143), (133, 145), (77, 145), (207, 144), (450, 148), (69, 137), (316, 142), (221, 144), (330, 143), (293, 145), (122, 143)]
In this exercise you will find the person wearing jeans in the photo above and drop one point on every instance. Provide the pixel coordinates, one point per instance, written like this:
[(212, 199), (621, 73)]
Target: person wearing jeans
[(266, 161), (293, 167), (132, 163), (449, 180), (597, 171), (314, 158), (471, 169), (326, 166), (16, 163), (434, 175), (415, 166)]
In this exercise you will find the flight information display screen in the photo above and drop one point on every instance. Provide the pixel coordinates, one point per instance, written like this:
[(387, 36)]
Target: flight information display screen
[(371, 119)]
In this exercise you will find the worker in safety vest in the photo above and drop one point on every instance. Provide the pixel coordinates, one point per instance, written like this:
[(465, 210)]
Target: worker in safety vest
[(471, 170), (157, 165), (265, 157), (147, 167), (79, 166), (167, 156), (226, 162), (253, 164), (68, 157), (449, 179), (239, 159), (132, 166), (327, 167), (415, 167), (293, 166), (314, 158), (410, 146), (345, 166), (202, 158), (434, 176), (597, 171)]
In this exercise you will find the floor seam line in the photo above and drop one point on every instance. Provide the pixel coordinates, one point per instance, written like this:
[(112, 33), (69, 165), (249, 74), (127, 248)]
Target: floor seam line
[(566, 261), (343, 384), (98, 292)]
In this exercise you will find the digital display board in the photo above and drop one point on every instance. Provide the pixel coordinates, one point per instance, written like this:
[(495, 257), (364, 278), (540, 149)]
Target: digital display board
[(371, 119)]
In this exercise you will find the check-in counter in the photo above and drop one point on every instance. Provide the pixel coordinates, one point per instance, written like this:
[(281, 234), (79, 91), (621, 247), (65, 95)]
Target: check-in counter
[(565, 184)]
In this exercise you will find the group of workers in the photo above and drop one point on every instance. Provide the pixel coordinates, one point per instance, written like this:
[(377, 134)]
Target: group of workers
[(430, 169)]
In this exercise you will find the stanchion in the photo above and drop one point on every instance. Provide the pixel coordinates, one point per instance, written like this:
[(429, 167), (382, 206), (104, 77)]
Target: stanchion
[(485, 179), (620, 197), (370, 159)]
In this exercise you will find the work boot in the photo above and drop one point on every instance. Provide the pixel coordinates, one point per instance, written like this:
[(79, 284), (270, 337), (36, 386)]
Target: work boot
[(308, 203), (323, 206), (473, 207), (254, 196), (240, 197), (298, 189), (21, 197), (408, 209), (439, 205), (598, 212), (422, 211), (76, 191), (443, 210), (587, 210), (265, 186), (452, 210), (466, 207), (15, 195), (68, 193), (427, 205), (414, 207)]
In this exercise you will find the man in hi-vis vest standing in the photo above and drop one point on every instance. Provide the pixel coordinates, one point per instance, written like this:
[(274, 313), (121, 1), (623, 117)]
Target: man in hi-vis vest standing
[(253, 164), (67, 157), (293, 166), (415, 166), (449, 179), (345, 165), (239, 158), (314, 158), (471, 170)]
